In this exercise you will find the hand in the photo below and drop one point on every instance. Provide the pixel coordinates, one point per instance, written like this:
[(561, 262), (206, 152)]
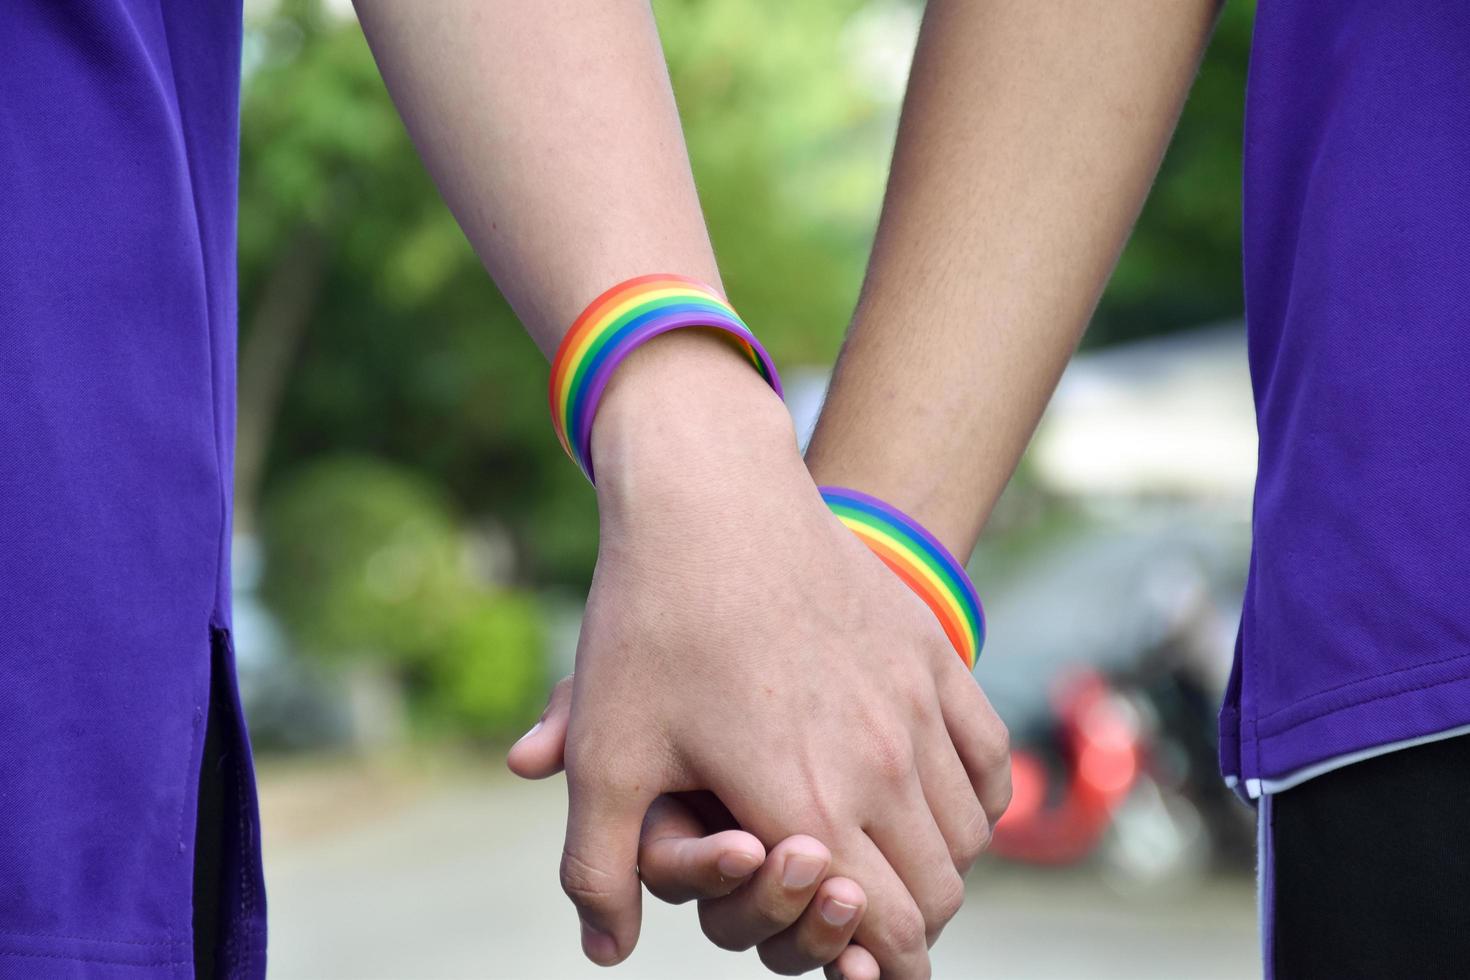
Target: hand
[(739, 640), (691, 851), (797, 918)]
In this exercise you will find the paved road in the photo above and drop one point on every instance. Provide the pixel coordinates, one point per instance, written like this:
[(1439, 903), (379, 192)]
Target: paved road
[(376, 875)]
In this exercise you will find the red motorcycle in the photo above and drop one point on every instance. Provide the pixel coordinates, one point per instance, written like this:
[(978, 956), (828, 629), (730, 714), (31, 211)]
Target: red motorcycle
[(1061, 819), (1111, 700)]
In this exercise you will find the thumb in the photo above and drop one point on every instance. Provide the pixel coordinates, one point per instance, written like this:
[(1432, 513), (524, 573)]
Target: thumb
[(539, 752), (599, 864)]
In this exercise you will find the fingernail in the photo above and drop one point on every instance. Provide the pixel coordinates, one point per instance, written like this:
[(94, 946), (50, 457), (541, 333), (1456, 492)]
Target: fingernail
[(598, 945), (800, 871), (534, 729), (738, 864), (837, 913)]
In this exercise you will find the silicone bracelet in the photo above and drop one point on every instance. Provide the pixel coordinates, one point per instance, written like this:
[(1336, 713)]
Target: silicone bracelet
[(917, 558), (627, 315)]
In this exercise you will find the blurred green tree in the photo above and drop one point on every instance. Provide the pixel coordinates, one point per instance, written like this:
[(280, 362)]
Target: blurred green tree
[(488, 680), (367, 563), (365, 558), (1182, 267)]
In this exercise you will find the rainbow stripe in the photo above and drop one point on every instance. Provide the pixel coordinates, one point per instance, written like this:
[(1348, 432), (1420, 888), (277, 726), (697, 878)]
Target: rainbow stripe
[(917, 558), (616, 322)]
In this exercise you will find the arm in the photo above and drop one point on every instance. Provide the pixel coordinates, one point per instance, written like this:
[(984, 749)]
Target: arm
[(711, 656), (1030, 135), (552, 133)]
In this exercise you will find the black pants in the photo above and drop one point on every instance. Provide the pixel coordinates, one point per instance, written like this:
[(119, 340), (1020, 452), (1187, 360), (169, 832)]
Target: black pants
[(211, 826), (1372, 868)]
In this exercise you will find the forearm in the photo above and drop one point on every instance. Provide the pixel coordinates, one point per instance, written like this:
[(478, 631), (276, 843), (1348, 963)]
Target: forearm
[(1029, 138), (551, 130)]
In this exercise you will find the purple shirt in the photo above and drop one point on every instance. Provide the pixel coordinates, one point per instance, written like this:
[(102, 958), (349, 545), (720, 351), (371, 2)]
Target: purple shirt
[(118, 147), (1356, 631)]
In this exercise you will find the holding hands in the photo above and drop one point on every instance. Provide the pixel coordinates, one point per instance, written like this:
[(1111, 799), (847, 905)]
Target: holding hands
[(773, 710), (741, 642)]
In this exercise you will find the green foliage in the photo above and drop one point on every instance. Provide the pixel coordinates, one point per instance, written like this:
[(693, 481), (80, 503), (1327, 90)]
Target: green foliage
[(411, 354), (1182, 267), (482, 683), (364, 560), (789, 153)]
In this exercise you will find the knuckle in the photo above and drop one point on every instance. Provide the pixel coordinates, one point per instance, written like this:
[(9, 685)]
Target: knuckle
[(918, 700), (591, 755), (1002, 799), (904, 930), (821, 815), (944, 904), (601, 774), (584, 883), (997, 748), (974, 837), (891, 755)]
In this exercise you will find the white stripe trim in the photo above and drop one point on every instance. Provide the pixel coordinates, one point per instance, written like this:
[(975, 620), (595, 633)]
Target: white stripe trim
[(1256, 787)]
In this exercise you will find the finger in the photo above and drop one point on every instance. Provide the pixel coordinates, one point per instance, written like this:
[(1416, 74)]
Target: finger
[(892, 928), (951, 799), (539, 752), (979, 737), (854, 963), (678, 861), (822, 932), (772, 900), (906, 833), (712, 814), (599, 861)]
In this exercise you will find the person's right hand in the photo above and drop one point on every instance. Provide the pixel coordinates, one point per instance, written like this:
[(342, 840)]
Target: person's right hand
[(738, 639), (781, 902)]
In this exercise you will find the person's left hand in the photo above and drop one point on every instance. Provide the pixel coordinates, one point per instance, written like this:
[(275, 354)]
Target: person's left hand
[(691, 849)]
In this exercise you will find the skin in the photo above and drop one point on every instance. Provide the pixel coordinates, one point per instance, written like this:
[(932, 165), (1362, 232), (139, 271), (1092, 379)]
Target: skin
[(1031, 133), (552, 133), (1029, 138), (745, 899), (862, 759)]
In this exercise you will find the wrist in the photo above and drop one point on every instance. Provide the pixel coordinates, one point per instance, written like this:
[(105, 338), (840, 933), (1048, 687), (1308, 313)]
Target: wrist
[(919, 559), (950, 506), (682, 413)]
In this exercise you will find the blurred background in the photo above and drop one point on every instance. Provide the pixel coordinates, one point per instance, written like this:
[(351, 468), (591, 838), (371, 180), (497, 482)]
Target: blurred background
[(413, 549)]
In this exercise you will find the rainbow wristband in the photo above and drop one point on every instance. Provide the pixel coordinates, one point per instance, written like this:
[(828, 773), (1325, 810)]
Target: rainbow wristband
[(917, 558), (616, 322)]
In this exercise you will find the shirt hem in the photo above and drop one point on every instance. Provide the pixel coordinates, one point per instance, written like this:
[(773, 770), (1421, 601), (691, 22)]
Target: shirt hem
[(93, 957), (1383, 716), (1269, 786)]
